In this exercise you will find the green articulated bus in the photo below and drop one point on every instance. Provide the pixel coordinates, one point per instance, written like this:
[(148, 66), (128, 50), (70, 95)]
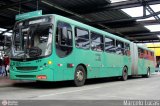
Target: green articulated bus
[(55, 48)]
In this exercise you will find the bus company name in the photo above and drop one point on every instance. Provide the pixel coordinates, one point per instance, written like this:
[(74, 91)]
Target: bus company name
[(141, 103), (20, 63)]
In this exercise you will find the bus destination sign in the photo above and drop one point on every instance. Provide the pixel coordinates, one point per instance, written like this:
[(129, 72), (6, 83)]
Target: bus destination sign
[(29, 15)]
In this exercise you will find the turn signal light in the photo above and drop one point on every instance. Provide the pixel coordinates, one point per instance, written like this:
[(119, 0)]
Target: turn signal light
[(49, 62)]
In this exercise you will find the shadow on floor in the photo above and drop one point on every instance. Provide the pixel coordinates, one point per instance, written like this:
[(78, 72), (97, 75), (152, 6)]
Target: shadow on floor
[(64, 84)]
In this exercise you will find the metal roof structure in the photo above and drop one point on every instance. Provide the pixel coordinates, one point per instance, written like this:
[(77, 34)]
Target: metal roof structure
[(102, 14)]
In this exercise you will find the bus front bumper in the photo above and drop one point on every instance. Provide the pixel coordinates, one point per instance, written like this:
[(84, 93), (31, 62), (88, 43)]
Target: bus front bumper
[(43, 75)]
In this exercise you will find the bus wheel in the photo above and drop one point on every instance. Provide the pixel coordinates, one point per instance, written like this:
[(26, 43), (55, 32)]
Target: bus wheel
[(79, 76), (124, 74), (148, 73)]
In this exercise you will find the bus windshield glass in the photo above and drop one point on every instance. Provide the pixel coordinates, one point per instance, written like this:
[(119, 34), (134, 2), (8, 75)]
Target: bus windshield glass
[(32, 41)]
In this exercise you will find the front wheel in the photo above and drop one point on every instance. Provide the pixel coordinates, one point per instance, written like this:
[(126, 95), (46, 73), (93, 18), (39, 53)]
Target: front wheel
[(148, 74), (79, 76), (124, 74)]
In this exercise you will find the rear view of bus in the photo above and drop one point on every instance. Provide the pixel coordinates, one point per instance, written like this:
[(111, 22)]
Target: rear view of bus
[(32, 48)]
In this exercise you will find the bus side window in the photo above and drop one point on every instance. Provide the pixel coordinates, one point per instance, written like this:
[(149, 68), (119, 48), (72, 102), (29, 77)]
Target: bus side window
[(119, 47), (127, 49), (145, 54), (109, 45), (152, 56), (97, 43), (82, 38), (63, 39), (140, 53)]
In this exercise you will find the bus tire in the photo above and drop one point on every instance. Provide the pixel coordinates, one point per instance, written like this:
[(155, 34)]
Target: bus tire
[(124, 74), (79, 76), (148, 73)]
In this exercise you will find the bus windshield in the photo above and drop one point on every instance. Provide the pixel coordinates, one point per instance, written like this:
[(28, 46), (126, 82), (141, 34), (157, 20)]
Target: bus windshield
[(32, 41)]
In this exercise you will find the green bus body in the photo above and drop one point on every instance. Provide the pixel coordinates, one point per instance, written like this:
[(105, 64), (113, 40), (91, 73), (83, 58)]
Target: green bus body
[(98, 64)]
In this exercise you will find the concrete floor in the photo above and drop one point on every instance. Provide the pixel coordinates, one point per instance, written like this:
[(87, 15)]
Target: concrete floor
[(136, 88)]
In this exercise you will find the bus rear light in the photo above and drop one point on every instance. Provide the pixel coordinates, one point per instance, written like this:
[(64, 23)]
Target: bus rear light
[(42, 77), (60, 65), (70, 65)]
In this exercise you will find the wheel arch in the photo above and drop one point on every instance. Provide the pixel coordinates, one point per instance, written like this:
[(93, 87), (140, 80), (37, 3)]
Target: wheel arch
[(125, 66)]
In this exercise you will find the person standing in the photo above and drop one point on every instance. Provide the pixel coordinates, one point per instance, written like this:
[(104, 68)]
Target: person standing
[(6, 64), (2, 67)]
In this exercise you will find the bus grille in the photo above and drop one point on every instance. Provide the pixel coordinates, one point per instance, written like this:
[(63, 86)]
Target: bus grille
[(26, 76), (27, 68)]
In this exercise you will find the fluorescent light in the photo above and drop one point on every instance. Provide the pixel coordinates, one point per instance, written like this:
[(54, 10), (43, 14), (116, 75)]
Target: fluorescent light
[(134, 12), (151, 18), (13, 9), (8, 34), (11, 31), (114, 1), (155, 7), (158, 36), (153, 28), (142, 44), (138, 11), (2, 29)]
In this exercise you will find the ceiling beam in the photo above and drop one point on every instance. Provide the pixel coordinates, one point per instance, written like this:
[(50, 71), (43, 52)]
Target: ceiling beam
[(114, 6), (123, 25), (126, 23), (22, 7), (123, 20), (147, 7), (142, 37), (146, 41), (15, 4), (148, 22), (86, 19), (1, 34), (110, 21), (144, 34)]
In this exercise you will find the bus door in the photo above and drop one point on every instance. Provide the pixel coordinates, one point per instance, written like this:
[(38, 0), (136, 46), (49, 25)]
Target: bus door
[(141, 60), (97, 47), (64, 49), (95, 64), (109, 57)]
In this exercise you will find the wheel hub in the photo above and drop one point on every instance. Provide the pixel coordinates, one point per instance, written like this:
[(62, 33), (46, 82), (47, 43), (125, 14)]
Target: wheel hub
[(148, 73), (79, 75), (125, 74)]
